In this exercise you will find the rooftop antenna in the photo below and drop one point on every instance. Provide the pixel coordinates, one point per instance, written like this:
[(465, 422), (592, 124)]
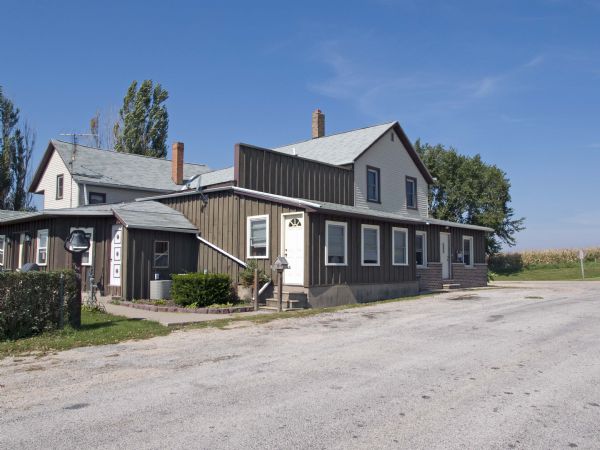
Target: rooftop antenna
[(74, 136)]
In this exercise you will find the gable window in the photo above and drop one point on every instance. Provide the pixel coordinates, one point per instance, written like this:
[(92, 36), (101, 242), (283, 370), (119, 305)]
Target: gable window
[(411, 193), (373, 185), (421, 248), (370, 245), (88, 255), (258, 237), (399, 246), (60, 184), (42, 248), (2, 248), (161, 254), (468, 251), (96, 197), (336, 243)]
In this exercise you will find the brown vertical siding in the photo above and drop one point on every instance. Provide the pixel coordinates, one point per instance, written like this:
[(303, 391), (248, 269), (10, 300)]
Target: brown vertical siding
[(456, 234), (139, 265), (58, 230), (276, 173), (222, 222), (354, 272)]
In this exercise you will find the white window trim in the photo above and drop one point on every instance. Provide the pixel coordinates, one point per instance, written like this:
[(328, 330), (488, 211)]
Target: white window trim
[(2, 249), (364, 227), (405, 231), (165, 253), (250, 219), (90, 231), (424, 234), (39, 247), (345, 226), (471, 253)]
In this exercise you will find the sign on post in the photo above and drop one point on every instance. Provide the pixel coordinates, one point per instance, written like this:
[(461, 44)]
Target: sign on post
[(581, 258)]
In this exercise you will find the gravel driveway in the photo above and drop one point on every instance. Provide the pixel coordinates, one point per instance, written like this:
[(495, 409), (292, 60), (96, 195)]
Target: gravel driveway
[(515, 367)]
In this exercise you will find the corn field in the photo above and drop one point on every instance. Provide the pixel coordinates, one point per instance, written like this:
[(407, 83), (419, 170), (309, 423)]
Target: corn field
[(514, 261)]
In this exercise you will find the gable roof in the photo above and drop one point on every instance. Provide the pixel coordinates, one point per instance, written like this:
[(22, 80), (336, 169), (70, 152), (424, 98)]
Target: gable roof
[(149, 215), (110, 168), (345, 148)]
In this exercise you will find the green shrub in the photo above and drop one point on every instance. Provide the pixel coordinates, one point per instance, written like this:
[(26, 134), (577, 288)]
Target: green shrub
[(202, 289), (30, 302), (247, 275)]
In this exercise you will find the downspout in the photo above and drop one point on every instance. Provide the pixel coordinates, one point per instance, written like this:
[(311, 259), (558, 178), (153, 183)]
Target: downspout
[(85, 196), (221, 251)]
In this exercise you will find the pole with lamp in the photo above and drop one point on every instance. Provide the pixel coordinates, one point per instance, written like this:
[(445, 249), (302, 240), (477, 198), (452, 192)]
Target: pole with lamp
[(77, 243)]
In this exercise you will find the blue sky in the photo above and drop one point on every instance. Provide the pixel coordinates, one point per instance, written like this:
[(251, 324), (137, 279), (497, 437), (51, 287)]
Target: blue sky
[(516, 81)]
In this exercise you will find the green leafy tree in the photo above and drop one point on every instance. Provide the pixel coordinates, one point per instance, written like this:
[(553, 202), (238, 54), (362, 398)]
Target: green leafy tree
[(467, 190), (143, 121), (17, 148)]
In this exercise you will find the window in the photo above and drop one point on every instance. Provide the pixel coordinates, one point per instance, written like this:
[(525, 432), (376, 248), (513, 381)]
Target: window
[(161, 254), (258, 237), (60, 184), (2, 247), (96, 197), (411, 193), (370, 245), (336, 243), (373, 188), (42, 248), (468, 250), (88, 255), (400, 246), (421, 248)]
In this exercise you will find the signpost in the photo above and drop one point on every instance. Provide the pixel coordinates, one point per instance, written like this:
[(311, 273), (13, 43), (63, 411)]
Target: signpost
[(280, 265), (581, 258)]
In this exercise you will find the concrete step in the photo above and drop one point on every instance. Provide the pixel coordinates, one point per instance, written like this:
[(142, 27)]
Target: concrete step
[(287, 303), (273, 308), (449, 286)]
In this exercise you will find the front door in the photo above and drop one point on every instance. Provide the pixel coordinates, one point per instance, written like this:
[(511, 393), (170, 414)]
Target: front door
[(115, 255), (445, 254), (293, 248)]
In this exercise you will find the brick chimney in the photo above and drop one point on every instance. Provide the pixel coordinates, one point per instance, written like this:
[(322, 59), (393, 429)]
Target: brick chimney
[(177, 163), (318, 124)]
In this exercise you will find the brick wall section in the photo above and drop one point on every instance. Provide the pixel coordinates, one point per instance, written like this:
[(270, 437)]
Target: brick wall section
[(467, 277), (430, 278)]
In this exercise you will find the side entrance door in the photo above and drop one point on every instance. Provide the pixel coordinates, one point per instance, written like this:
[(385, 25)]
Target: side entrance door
[(445, 254), (293, 247), (115, 255)]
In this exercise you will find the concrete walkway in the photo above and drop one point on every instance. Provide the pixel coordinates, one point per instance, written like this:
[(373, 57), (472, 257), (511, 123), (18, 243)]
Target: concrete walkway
[(170, 318)]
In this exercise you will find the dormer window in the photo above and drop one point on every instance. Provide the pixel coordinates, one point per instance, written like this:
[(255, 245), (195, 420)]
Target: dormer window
[(411, 193), (373, 185), (60, 184)]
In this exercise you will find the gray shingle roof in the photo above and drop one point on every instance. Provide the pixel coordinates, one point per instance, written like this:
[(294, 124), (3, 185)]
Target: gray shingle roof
[(12, 215), (107, 167), (337, 149), (153, 215), (210, 178)]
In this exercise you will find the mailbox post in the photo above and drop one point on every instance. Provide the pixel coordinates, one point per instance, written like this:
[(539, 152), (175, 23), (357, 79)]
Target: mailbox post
[(76, 244), (280, 265)]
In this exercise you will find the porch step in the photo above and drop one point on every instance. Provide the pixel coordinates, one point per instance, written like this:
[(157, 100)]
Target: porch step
[(286, 303), (450, 286)]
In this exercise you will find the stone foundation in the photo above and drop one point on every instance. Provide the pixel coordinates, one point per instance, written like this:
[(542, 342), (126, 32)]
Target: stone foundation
[(344, 294), (468, 277), (430, 277)]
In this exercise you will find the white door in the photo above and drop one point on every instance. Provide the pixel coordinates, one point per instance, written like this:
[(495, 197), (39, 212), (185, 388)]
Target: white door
[(293, 248), (445, 254), (115, 255)]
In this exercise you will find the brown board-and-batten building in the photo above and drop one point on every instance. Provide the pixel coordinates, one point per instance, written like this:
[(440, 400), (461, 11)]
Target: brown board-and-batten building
[(349, 211)]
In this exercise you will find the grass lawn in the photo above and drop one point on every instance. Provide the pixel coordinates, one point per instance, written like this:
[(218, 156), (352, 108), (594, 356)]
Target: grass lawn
[(97, 328), (553, 272)]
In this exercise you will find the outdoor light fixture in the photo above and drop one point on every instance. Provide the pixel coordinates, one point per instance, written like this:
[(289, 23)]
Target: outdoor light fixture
[(8, 240), (28, 238)]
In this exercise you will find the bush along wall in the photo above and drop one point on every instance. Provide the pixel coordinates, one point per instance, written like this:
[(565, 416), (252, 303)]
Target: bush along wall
[(30, 302), (202, 289)]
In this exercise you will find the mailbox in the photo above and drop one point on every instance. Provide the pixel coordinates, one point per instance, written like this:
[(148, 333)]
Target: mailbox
[(280, 264)]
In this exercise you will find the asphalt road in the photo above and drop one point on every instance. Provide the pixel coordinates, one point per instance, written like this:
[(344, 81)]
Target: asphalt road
[(504, 368)]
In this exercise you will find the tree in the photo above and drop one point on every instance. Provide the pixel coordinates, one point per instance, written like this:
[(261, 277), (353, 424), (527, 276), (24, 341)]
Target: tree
[(15, 157), (143, 121), (102, 126), (467, 190)]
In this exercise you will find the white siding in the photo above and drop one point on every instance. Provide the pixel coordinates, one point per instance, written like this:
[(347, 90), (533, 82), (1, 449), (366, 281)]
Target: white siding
[(55, 167), (114, 195), (395, 164)]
